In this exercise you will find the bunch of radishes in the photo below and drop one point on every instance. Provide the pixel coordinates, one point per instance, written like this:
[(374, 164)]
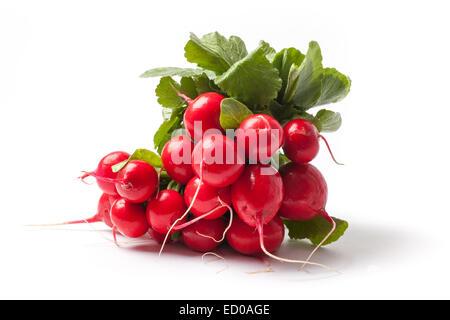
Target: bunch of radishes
[(227, 126)]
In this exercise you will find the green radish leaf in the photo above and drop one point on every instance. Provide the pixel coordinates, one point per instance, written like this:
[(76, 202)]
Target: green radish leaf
[(172, 71), (327, 121), (232, 113), (214, 52), (188, 87), (269, 52), (167, 96), (310, 77), (252, 80), (288, 61), (165, 131), (335, 86), (204, 84), (316, 229), (140, 154)]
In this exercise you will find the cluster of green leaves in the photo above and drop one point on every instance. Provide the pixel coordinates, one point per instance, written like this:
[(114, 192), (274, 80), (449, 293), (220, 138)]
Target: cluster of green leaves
[(285, 84)]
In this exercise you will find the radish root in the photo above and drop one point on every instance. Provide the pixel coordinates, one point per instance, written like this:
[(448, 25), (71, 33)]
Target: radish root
[(333, 223), (93, 219), (263, 248), (329, 150)]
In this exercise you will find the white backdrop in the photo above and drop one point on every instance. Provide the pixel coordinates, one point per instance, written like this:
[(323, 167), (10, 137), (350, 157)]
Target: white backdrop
[(70, 93)]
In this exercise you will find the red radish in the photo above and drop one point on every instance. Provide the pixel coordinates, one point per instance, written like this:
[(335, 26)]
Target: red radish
[(103, 209), (163, 210), (204, 234), (137, 181), (257, 194), (301, 141), (129, 219), (176, 158), (217, 157), (104, 170), (245, 239), (205, 109), (261, 135), (305, 195), (207, 199)]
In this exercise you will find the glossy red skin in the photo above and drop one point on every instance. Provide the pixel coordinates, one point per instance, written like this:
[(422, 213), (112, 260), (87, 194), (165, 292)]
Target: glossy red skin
[(245, 239), (212, 228), (180, 172), (104, 170), (262, 127), (163, 210), (138, 181), (129, 218), (205, 108), (301, 140), (217, 174), (257, 197), (104, 207), (207, 199), (305, 192)]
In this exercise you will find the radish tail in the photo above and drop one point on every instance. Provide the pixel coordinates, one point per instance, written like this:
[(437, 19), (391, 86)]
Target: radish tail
[(263, 248), (93, 219), (333, 223), (329, 150), (187, 224), (114, 229), (185, 213), (104, 179)]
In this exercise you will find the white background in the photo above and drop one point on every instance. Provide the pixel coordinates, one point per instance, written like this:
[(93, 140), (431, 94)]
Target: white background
[(70, 93)]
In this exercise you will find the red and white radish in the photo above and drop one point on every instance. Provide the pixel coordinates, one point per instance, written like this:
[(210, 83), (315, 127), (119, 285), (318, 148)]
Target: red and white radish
[(163, 210), (209, 199), (215, 160), (128, 218), (257, 194), (261, 136), (245, 239), (204, 235), (104, 170), (301, 141), (204, 111), (176, 158)]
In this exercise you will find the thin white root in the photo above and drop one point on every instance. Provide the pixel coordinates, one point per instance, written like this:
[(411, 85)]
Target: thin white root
[(321, 242), (219, 257), (266, 263), (263, 248), (223, 204)]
